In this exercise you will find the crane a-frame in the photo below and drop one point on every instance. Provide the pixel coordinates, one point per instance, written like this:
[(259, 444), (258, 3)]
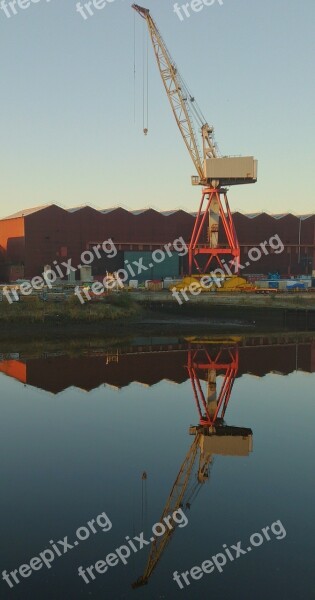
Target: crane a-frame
[(214, 173)]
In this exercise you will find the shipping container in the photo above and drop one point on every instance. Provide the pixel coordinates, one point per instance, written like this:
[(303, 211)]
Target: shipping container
[(150, 269)]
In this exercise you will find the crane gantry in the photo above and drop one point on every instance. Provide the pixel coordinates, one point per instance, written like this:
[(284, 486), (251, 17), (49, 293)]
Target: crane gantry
[(214, 172)]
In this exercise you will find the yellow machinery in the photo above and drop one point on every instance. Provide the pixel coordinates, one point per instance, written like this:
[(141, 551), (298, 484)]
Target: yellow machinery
[(215, 284)]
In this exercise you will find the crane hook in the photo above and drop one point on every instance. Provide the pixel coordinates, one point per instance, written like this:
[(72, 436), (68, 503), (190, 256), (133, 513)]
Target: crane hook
[(145, 131)]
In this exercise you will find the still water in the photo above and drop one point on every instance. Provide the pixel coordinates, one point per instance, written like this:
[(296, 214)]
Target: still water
[(101, 443)]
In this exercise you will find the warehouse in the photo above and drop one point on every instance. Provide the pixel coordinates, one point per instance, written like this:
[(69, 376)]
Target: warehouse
[(34, 238), (58, 373)]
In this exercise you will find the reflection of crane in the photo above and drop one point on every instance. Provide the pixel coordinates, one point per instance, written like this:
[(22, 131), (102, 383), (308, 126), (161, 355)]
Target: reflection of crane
[(210, 360), (213, 171), (212, 436), (175, 501)]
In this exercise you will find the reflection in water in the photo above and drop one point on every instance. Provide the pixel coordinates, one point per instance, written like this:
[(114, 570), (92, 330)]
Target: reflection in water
[(211, 437), (149, 361), (70, 455)]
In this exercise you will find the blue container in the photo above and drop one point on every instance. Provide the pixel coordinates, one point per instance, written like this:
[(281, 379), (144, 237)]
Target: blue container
[(150, 268), (274, 279)]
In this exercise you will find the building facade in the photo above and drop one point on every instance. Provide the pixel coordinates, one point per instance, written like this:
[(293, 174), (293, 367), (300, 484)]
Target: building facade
[(49, 235)]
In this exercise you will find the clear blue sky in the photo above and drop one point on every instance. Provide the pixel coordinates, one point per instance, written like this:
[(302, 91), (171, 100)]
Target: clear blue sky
[(67, 101)]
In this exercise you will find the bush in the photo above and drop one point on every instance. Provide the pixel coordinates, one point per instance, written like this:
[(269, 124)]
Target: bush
[(120, 299)]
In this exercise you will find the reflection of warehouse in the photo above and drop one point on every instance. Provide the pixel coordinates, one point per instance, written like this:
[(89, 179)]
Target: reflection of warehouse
[(148, 365), (37, 237)]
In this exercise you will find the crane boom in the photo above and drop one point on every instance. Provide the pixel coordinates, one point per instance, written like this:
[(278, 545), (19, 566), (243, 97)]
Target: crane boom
[(182, 103), (174, 502)]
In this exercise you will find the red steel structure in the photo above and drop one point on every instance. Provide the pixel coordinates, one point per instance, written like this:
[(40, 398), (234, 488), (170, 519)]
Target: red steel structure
[(215, 252), (206, 363)]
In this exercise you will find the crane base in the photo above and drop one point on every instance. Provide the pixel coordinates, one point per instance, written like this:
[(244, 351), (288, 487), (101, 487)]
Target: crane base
[(204, 250)]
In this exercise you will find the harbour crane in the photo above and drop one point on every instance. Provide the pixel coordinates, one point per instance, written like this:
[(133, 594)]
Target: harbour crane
[(211, 437), (214, 172), (174, 502)]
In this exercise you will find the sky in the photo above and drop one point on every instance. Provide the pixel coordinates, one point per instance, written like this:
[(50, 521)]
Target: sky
[(67, 93)]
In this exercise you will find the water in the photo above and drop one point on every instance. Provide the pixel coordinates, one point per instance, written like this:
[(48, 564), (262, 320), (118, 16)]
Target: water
[(79, 428)]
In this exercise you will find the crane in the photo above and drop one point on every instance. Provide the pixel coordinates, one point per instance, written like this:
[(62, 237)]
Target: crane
[(209, 360), (174, 502), (211, 437), (214, 172)]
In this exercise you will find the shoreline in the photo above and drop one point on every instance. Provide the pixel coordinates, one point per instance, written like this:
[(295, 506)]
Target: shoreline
[(95, 344), (155, 312)]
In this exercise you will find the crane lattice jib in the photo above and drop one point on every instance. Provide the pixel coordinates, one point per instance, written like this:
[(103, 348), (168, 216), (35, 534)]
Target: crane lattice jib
[(174, 502), (175, 86)]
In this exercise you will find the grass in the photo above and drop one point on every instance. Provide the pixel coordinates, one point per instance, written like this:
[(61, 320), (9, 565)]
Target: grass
[(122, 307), (34, 310)]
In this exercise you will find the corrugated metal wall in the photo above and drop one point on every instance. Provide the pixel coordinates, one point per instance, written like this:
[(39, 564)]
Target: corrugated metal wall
[(54, 234)]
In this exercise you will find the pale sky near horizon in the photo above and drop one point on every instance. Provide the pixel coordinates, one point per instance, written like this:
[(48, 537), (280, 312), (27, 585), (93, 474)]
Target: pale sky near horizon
[(67, 104)]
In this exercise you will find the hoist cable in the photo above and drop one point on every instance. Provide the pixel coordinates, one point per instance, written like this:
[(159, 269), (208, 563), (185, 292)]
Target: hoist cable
[(134, 68)]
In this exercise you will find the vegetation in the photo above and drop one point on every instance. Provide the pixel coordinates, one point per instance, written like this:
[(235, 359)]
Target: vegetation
[(33, 310)]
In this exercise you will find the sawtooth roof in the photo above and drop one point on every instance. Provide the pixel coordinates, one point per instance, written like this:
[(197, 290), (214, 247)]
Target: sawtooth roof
[(28, 211)]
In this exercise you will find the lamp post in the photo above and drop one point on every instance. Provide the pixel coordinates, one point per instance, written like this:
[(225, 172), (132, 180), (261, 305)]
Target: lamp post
[(300, 228)]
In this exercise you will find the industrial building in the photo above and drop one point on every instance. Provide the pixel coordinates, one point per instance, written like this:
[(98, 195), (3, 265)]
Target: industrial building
[(34, 238), (138, 363)]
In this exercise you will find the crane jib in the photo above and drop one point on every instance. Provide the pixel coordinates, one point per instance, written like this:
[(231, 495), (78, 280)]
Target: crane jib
[(211, 168)]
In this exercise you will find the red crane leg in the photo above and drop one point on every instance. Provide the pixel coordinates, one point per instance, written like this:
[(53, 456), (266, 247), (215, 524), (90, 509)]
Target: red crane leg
[(201, 244), (225, 363)]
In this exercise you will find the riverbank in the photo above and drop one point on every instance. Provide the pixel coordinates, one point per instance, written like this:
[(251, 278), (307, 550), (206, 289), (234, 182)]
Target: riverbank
[(93, 344), (158, 312), (287, 310)]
